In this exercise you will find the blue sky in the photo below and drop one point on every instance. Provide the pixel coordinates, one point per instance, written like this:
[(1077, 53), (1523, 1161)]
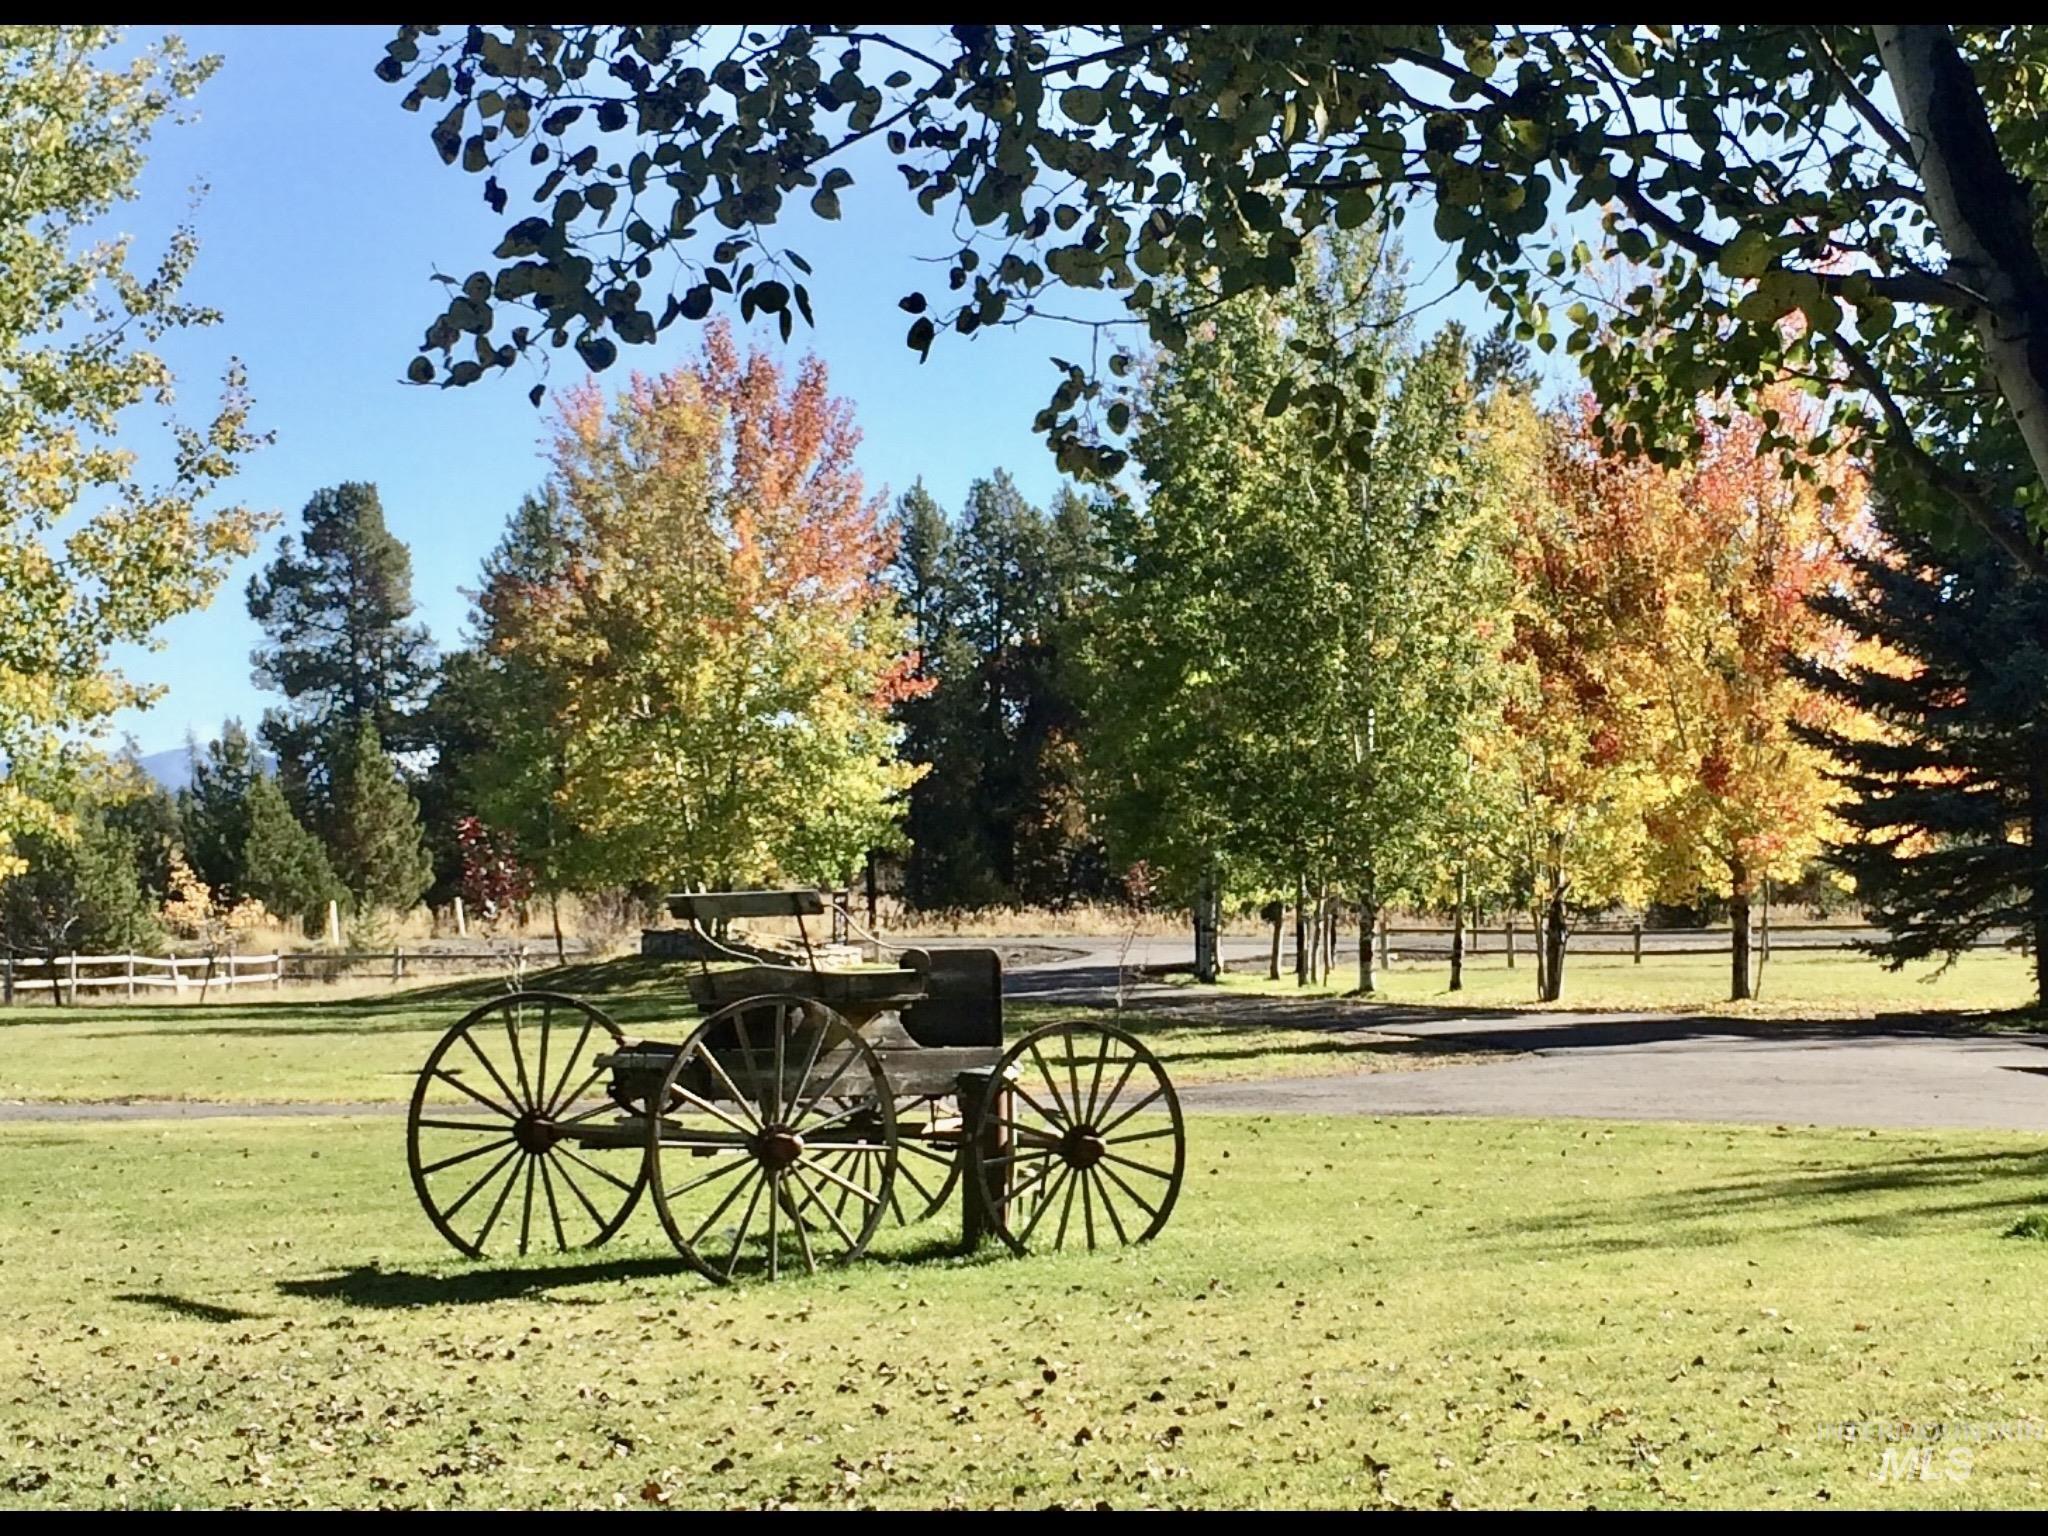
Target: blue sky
[(327, 211)]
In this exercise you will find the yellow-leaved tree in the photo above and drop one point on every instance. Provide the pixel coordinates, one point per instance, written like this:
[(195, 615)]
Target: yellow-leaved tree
[(93, 553), (714, 636), (1744, 800)]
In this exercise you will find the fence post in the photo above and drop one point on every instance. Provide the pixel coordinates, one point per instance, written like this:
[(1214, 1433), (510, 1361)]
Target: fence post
[(397, 965), (1509, 925), (277, 970), (131, 978), (1636, 940), (7, 980), (333, 926), (461, 922)]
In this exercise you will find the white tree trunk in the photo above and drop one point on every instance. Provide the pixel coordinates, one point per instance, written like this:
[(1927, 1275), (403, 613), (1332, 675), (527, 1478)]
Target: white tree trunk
[(1982, 213)]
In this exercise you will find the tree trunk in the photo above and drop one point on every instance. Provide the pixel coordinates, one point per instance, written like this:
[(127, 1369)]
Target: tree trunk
[(1207, 905), (1368, 983), (2039, 840), (1738, 948), (1982, 211), (1739, 917), (1276, 914), (1553, 948), (1327, 933), (1301, 956), (555, 919), (1458, 936)]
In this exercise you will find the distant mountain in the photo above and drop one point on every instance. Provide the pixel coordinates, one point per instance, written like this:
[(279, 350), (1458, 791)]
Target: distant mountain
[(172, 769)]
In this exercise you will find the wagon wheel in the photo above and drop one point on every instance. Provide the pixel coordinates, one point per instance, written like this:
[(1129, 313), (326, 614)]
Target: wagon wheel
[(1093, 1142), (784, 1132), (506, 1149), (928, 1133)]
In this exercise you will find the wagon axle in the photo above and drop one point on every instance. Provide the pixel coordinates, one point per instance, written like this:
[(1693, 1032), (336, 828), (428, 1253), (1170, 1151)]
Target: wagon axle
[(535, 1133)]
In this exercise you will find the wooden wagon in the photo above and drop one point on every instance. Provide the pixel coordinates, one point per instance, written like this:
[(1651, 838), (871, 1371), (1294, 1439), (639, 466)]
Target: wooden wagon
[(805, 1109)]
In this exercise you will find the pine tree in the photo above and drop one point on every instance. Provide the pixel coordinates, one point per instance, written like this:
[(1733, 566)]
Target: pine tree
[(335, 607), (379, 853), (213, 809), (1950, 788), (501, 719), (283, 865), (81, 891), (996, 605), (148, 812), (948, 863)]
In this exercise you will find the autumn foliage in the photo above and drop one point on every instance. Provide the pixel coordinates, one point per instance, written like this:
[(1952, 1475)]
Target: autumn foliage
[(698, 631), (1661, 614)]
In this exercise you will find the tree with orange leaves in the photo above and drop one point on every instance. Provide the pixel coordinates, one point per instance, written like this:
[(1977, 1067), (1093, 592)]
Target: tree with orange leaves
[(1662, 615), (1578, 740), (717, 644), (1744, 798)]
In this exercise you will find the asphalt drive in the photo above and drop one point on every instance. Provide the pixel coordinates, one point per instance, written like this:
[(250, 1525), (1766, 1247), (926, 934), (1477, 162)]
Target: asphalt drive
[(1902, 1071)]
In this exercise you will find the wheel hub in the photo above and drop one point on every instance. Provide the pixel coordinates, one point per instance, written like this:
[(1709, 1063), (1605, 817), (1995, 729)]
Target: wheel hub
[(778, 1147), (1081, 1146), (535, 1133)]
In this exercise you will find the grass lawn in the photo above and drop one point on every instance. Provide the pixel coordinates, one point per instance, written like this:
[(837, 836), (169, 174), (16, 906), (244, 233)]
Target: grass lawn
[(1794, 985), (1345, 1313), (369, 1048)]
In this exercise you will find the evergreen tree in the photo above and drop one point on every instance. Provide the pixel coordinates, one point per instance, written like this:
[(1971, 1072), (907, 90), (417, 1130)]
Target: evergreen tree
[(213, 810), (81, 891), (1950, 788), (499, 721), (335, 606), (379, 853), (149, 813), (996, 605), (283, 865), (948, 862)]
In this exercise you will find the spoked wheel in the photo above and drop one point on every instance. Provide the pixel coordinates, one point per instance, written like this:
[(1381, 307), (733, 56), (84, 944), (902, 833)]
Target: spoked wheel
[(928, 1131), (1092, 1145), (506, 1136), (780, 1149)]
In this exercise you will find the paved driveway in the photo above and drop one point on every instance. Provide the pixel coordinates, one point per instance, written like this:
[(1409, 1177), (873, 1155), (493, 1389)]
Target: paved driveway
[(1597, 1066), (1650, 1067)]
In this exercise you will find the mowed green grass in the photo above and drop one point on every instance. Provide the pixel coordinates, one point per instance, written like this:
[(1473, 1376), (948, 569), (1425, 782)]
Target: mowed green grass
[(369, 1049), (1793, 985), (1342, 1313)]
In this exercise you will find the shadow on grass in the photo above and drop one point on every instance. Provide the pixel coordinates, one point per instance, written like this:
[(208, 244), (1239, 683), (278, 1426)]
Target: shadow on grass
[(1941, 1184), (185, 1306), (1361, 1047), (375, 1287)]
